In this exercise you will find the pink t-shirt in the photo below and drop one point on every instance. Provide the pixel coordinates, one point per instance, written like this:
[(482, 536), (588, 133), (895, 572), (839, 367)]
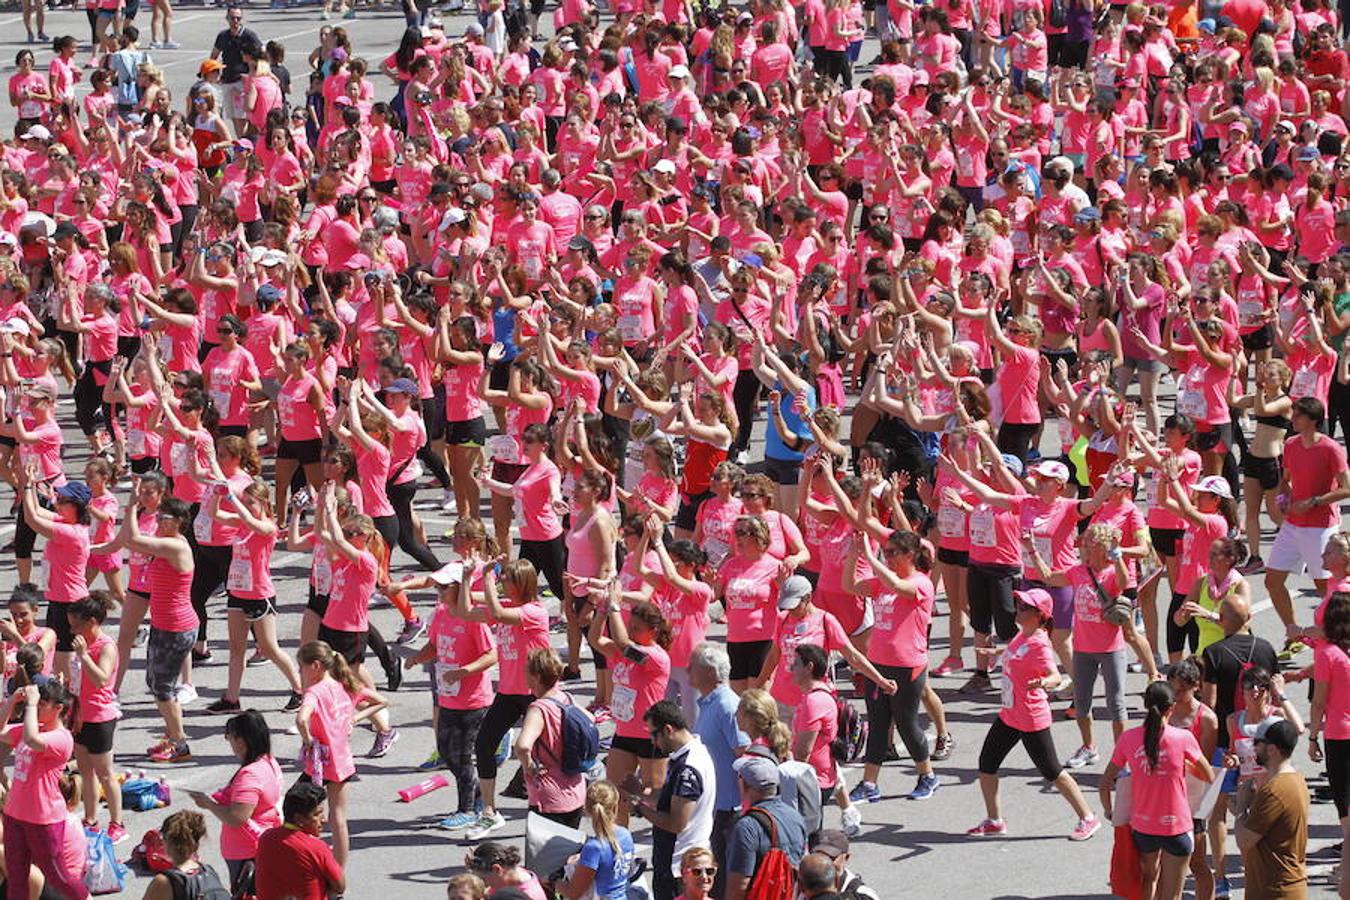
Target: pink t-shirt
[(1331, 666), (536, 490), (1195, 544), (63, 561), (1026, 659), (687, 615), (750, 592), (900, 635), (35, 791), (459, 642), (817, 712), (258, 783), (227, 369), (1092, 633), (299, 419), (995, 536), (637, 685), (1054, 528), (1160, 805), (372, 467), (349, 596), (717, 518), (819, 628), (250, 573), (514, 643), (330, 728), (1017, 379)]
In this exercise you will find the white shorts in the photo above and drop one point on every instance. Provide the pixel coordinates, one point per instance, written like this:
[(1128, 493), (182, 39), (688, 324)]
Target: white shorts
[(232, 100), (1299, 546)]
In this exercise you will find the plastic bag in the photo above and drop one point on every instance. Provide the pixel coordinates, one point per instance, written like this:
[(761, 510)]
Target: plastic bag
[(103, 873)]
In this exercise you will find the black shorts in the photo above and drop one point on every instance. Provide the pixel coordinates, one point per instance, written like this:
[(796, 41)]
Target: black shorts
[(642, 748), (471, 433), (58, 621), (989, 594), (687, 515), (1265, 469), (500, 376), (509, 473), (953, 557), (350, 645), (747, 658), (1167, 541), (1068, 354), (232, 430), (1214, 438), (144, 464), (252, 608), (318, 603), (1173, 845), (97, 737), (787, 472), (305, 453), (6, 441), (1262, 338), (433, 412)]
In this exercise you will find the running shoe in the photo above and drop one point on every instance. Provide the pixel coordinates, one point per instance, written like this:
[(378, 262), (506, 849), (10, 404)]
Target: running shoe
[(171, 751), (1085, 829), (256, 658), (432, 762), (851, 819), (1254, 566), (457, 821), (928, 786), (1083, 756), (393, 673), (600, 713), (978, 683), (1065, 689), (142, 635), (865, 792), (293, 703), (223, 707), (1222, 889), (949, 666), (942, 747), (412, 630), (448, 500), (117, 832), (185, 694), (989, 828), (1071, 712), (170, 45), (571, 674), (383, 741), (488, 823), (516, 788)]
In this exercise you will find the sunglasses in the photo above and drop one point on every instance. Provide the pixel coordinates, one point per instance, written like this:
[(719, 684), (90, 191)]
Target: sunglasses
[(703, 871)]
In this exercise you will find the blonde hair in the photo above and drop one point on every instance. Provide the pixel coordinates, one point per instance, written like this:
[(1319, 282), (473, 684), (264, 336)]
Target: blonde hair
[(602, 805), (760, 713), (1101, 534)]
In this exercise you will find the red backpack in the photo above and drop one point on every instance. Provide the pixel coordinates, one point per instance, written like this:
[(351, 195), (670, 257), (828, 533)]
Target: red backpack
[(775, 878)]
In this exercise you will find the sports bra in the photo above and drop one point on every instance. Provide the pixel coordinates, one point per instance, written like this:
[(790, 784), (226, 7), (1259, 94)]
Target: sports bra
[(1281, 422)]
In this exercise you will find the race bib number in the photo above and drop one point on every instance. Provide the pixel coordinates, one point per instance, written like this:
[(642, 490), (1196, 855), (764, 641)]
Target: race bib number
[(221, 399), (1192, 403), (982, 527), (623, 703), (951, 522), (240, 576), (630, 327), (1042, 547), (178, 459), (323, 577), (1305, 384), (717, 550), (1249, 313), (166, 346), (1006, 691), (135, 442), (447, 685), (201, 527)]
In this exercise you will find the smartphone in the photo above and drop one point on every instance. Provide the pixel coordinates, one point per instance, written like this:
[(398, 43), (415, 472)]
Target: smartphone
[(754, 260)]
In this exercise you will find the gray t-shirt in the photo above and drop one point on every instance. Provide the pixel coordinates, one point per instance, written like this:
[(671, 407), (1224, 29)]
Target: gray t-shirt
[(749, 841)]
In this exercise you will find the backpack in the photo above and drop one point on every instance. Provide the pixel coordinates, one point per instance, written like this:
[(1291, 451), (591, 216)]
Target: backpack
[(775, 878), (851, 733), (1059, 14), (800, 787), (204, 884), (580, 737)]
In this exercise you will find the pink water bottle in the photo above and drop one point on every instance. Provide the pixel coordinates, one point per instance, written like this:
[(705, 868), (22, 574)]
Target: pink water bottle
[(435, 782)]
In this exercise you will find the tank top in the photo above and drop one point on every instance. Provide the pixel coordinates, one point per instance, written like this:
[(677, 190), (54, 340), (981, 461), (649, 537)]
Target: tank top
[(97, 704), (1210, 631), (170, 597), (699, 463), (299, 421), (582, 560)]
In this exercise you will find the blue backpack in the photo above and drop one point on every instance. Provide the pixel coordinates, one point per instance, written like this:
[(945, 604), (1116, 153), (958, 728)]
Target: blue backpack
[(580, 738)]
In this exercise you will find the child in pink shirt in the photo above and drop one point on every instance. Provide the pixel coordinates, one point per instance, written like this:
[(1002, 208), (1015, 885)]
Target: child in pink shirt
[(324, 721)]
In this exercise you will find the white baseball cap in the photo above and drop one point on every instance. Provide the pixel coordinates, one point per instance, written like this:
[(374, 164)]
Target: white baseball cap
[(1216, 485)]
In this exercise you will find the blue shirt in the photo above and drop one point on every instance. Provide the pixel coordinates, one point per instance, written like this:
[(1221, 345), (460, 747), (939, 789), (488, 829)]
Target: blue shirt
[(716, 728), (611, 869), (774, 448)]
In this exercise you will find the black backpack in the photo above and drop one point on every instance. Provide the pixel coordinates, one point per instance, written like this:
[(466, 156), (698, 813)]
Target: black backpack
[(204, 884), (580, 737)]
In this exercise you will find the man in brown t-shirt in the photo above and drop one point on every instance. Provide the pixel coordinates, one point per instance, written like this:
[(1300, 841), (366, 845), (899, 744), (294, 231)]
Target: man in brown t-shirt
[(1272, 819)]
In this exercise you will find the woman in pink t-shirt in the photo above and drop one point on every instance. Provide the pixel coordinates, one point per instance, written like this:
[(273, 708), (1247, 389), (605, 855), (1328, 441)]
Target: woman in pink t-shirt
[(65, 555), (324, 721), (1017, 378), (94, 671), (355, 547), (35, 811), (1029, 673), (1159, 757), (539, 492), (747, 584), (1329, 718), (640, 669), (302, 410), (251, 802), (552, 793)]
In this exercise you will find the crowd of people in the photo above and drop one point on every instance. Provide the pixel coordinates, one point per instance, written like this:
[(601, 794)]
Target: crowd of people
[(1039, 309)]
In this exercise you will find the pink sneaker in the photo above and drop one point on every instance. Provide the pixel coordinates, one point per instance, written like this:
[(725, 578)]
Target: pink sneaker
[(949, 666), (117, 833), (1086, 828), (989, 828)]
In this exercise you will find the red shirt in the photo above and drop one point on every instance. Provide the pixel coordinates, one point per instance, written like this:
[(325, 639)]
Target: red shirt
[(1312, 472), (294, 865)]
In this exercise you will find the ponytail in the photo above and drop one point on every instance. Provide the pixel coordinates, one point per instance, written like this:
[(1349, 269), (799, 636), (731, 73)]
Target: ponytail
[(322, 653), (602, 805), (1158, 699)]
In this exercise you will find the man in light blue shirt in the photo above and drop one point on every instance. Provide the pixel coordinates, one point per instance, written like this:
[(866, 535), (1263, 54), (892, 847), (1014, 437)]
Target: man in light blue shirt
[(709, 669)]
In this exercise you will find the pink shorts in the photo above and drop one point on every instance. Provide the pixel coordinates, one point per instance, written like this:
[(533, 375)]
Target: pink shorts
[(106, 562)]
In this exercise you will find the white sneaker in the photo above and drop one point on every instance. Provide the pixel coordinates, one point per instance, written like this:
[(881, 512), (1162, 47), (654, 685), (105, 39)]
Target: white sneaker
[(185, 694), (488, 823), (170, 45), (448, 499), (852, 821), (1083, 756)]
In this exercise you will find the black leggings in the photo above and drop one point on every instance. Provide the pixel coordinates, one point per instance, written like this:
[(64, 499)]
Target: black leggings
[(1178, 636), (550, 558), (456, 732), (211, 568), (90, 410), (834, 64), (505, 711), (1002, 737), (745, 397), (401, 498), (1338, 409), (900, 708), (1337, 761), (434, 461), (379, 647), (1015, 438)]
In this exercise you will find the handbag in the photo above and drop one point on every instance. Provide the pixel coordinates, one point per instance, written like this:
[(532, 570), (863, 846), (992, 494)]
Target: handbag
[(1115, 612)]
